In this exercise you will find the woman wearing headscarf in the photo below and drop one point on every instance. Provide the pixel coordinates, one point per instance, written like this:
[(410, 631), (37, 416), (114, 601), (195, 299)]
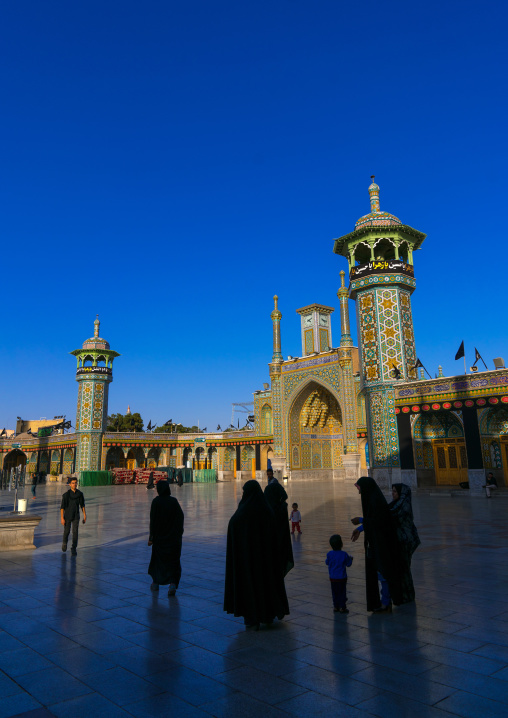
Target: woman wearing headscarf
[(383, 559), (254, 586), (166, 530), (402, 510), (276, 496)]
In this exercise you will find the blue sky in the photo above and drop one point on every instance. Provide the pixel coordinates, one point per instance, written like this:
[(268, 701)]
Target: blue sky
[(173, 165)]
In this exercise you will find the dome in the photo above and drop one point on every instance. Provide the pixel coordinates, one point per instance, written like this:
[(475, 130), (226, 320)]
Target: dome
[(376, 218), (96, 342)]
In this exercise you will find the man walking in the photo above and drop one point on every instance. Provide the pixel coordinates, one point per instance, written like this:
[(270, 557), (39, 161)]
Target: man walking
[(72, 500)]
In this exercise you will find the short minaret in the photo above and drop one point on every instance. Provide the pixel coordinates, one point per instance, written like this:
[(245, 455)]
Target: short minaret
[(276, 316), (275, 366), (440, 371), (346, 339), (94, 374)]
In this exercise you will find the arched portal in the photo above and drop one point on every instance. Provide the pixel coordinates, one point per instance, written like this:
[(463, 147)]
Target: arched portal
[(14, 459), (153, 458), (440, 448), (115, 458), (315, 430)]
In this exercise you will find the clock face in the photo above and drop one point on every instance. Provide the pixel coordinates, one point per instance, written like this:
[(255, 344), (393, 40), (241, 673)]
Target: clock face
[(323, 320), (307, 321)]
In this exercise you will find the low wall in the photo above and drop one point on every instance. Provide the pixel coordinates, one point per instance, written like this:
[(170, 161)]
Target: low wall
[(17, 532)]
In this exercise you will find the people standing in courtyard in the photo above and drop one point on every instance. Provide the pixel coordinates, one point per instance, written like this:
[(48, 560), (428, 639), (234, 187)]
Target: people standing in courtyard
[(150, 484), (490, 484), (402, 510), (166, 531), (337, 561), (254, 586), (295, 517), (383, 558), (34, 484), (72, 501), (276, 496)]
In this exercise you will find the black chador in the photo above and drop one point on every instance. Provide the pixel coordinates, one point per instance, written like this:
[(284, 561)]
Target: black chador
[(166, 530), (276, 496), (254, 586), (382, 550)]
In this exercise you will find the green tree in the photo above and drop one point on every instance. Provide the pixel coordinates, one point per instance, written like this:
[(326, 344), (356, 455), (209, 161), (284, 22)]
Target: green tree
[(125, 422), (176, 429)]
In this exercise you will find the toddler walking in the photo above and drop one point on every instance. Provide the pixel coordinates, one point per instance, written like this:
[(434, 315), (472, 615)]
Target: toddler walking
[(337, 560), (295, 517)]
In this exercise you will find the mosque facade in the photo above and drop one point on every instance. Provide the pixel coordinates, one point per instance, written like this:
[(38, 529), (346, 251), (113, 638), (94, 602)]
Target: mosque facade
[(332, 413)]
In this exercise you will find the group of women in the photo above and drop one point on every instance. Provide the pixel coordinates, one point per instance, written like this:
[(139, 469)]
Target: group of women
[(259, 551)]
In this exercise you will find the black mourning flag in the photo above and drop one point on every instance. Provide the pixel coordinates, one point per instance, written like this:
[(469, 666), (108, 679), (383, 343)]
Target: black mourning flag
[(418, 364), (478, 356), (460, 352), (218, 427)]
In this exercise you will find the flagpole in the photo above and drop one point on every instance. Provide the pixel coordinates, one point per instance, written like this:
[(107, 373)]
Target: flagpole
[(465, 372)]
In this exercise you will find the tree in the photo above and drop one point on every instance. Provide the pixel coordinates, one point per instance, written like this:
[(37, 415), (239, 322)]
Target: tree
[(125, 422), (176, 429)]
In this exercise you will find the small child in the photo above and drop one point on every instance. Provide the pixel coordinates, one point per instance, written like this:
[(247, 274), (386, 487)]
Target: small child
[(337, 560), (295, 517)]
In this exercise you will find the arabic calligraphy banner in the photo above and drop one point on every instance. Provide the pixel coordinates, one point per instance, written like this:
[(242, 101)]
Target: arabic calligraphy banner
[(383, 266)]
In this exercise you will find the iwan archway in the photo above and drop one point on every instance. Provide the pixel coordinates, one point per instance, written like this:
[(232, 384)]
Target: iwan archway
[(315, 434)]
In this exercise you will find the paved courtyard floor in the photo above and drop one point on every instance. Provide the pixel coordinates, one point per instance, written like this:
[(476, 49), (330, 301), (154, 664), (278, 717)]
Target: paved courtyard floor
[(85, 636)]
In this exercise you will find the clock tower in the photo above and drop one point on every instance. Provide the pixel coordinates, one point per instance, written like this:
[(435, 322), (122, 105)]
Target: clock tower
[(316, 328)]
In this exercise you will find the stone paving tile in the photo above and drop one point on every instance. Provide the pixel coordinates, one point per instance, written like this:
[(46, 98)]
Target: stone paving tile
[(205, 662), (313, 704), (341, 688), (486, 686), (22, 706), (260, 685), (120, 686), (467, 705), (22, 660), (80, 661), (52, 685), (388, 705), (89, 706), (189, 685), (165, 704), (417, 688)]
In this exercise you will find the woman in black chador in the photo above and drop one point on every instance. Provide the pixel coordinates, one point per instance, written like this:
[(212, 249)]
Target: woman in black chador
[(402, 510), (254, 585), (276, 496), (383, 559), (166, 529)]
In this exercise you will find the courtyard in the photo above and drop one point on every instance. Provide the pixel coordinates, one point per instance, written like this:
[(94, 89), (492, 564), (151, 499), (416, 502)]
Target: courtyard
[(85, 636)]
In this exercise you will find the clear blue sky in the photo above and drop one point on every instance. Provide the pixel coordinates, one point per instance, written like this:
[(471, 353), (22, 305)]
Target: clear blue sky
[(173, 165)]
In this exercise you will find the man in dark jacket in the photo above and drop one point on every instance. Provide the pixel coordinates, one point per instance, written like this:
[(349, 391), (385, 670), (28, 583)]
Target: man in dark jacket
[(72, 501)]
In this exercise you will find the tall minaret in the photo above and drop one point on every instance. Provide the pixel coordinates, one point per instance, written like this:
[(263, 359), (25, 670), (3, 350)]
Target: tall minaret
[(279, 460), (94, 374), (380, 253)]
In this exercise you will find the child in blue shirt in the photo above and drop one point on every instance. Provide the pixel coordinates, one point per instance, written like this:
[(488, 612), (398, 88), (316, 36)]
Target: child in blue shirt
[(337, 560)]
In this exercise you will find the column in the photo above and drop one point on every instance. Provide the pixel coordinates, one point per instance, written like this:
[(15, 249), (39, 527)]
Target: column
[(406, 453), (475, 471)]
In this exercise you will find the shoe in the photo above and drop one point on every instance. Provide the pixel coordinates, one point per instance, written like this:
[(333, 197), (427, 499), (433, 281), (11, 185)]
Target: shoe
[(64, 547), (343, 610), (154, 587), (171, 589), (383, 609), (74, 552), (336, 610)]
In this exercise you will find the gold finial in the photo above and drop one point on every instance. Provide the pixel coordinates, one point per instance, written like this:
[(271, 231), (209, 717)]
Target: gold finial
[(374, 195), (97, 326), (276, 301), (342, 275)]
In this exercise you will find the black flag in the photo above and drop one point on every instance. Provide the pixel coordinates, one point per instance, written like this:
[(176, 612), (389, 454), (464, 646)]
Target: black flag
[(395, 372), (419, 364), (218, 427), (460, 352), (477, 356), (149, 427)]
